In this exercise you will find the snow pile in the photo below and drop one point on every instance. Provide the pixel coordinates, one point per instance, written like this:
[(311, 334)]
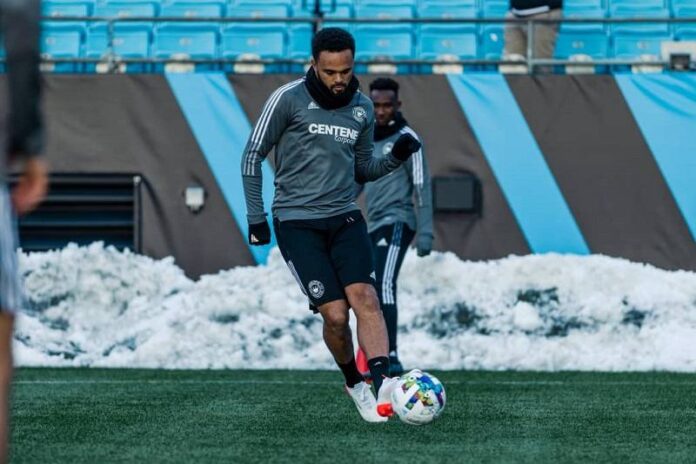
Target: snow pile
[(96, 306)]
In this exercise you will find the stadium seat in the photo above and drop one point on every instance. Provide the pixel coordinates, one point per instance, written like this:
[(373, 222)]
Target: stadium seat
[(126, 9), (636, 11), (438, 41), (60, 9), (622, 29), (251, 41), (189, 40), (448, 11), (583, 12), (287, 3), (299, 45), (493, 35), (384, 11), (340, 10), (585, 4), (589, 43), (638, 45), (637, 4), (62, 41), (410, 3), (192, 10), (447, 42), (457, 2), (495, 9), (685, 31), (678, 4), (131, 40), (260, 10), (376, 42)]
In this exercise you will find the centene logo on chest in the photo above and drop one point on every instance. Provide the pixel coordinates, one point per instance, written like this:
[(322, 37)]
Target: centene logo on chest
[(340, 134)]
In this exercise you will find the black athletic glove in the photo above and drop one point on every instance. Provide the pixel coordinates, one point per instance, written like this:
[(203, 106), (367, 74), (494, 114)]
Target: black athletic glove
[(405, 146), (259, 234), (424, 245)]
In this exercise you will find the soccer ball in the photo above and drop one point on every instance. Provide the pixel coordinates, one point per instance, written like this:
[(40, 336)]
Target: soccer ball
[(418, 398)]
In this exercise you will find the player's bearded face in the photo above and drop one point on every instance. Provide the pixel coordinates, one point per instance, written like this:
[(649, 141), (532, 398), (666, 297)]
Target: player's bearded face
[(335, 70)]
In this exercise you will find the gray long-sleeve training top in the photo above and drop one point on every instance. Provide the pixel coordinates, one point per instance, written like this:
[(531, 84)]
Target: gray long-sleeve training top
[(319, 154)]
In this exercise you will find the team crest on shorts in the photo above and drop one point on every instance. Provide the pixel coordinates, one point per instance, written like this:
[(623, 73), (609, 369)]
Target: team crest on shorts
[(359, 113), (316, 289), (387, 148)]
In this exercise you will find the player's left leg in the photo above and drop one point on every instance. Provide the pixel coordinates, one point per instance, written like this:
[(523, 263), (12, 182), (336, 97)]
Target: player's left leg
[(351, 256)]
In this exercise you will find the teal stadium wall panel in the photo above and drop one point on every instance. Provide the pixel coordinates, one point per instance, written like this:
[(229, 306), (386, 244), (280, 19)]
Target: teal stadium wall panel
[(593, 149)]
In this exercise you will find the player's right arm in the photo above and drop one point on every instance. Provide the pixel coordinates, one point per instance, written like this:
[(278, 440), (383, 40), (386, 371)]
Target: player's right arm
[(267, 131)]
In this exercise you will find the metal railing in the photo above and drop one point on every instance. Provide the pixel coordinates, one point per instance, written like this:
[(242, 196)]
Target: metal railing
[(113, 60)]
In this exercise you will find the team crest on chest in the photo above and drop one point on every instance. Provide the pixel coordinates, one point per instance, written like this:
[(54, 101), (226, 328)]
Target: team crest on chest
[(359, 113), (387, 148)]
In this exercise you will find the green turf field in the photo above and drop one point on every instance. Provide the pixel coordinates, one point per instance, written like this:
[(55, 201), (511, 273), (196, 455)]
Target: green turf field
[(97, 415)]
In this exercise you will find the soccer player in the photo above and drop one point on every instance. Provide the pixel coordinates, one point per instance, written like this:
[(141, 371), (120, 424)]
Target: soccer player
[(399, 206), (22, 135), (322, 128)]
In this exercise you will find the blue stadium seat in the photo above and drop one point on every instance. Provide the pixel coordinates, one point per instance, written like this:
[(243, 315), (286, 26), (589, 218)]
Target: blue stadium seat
[(495, 9), (591, 43), (457, 2), (635, 46), (287, 3), (493, 35), (411, 3), (384, 11), (447, 11), (251, 41), (189, 40), (341, 10), (637, 4), (583, 12), (384, 43), (63, 41), (192, 10), (126, 9), (685, 31), (677, 4), (60, 9), (260, 10), (442, 41), (300, 41), (585, 4), (131, 40), (636, 11)]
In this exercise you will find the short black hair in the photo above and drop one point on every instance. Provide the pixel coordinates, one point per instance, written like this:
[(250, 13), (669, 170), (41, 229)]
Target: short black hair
[(332, 39), (385, 83)]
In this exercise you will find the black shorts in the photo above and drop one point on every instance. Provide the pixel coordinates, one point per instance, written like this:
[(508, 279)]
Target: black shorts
[(326, 255)]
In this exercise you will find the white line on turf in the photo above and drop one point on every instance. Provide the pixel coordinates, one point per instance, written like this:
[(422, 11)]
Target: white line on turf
[(310, 382)]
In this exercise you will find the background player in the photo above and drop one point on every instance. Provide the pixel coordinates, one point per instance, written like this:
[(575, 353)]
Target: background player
[(398, 206)]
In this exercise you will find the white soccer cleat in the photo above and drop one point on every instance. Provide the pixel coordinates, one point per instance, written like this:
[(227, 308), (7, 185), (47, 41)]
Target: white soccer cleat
[(364, 400), (384, 404)]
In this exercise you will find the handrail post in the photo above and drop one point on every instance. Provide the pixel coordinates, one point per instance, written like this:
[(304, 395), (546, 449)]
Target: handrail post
[(110, 53), (530, 46)]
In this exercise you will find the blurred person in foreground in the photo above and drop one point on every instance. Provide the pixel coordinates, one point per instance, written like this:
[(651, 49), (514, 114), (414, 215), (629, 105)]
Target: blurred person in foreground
[(22, 135)]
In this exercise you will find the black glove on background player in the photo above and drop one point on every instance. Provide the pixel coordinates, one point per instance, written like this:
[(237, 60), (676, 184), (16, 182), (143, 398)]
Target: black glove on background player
[(259, 234), (405, 146)]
